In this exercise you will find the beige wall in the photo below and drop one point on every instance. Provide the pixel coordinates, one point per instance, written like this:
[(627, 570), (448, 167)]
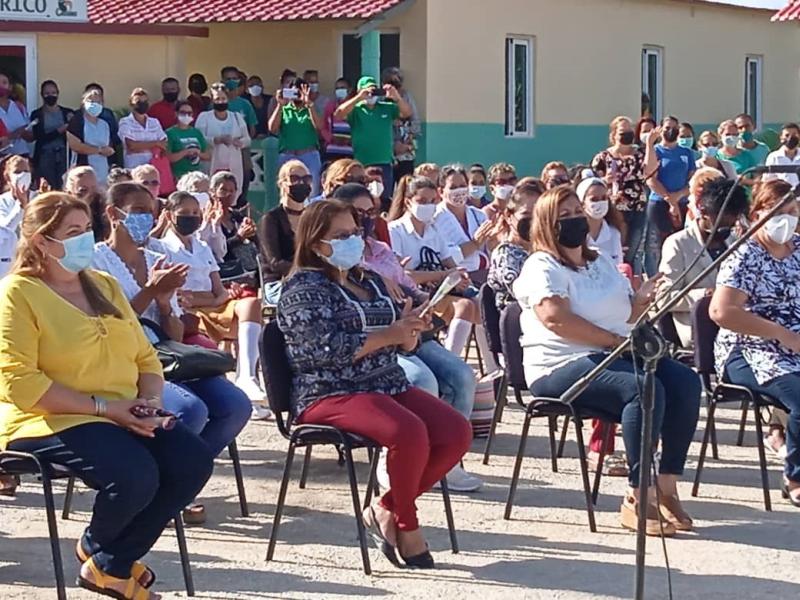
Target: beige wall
[(588, 59)]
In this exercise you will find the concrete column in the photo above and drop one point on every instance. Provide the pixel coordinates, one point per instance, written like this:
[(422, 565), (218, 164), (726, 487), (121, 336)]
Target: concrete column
[(371, 54)]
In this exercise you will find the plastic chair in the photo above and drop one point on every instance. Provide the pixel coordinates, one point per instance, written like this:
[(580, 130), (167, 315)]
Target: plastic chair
[(278, 380), (705, 331), (490, 316)]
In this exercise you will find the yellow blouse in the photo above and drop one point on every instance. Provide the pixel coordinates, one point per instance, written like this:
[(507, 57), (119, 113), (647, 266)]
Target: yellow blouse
[(45, 339)]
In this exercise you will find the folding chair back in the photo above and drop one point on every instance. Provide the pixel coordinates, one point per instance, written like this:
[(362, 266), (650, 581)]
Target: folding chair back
[(277, 375), (510, 333), (704, 331), (490, 316)]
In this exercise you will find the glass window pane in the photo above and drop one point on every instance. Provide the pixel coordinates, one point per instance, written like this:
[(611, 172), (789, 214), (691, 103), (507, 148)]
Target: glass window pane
[(351, 57), (390, 50), (509, 49), (520, 88)]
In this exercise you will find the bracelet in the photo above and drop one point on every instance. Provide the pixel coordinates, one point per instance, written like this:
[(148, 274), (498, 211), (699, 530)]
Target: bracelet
[(100, 406)]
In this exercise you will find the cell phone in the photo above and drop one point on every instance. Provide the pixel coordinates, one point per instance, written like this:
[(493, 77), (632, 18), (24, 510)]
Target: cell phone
[(379, 92), (289, 93)]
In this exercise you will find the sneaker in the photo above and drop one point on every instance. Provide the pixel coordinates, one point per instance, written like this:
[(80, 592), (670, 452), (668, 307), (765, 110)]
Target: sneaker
[(259, 413), (458, 480), (382, 473), (250, 386)]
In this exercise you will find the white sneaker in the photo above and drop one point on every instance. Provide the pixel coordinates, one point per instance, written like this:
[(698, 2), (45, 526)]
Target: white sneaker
[(382, 474), (458, 480), (250, 386), (259, 413)]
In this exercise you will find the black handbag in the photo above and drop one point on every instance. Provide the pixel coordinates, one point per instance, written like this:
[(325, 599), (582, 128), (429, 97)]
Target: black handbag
[(182, 362)]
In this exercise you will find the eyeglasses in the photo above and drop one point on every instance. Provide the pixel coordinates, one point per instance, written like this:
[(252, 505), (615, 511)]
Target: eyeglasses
[(188, 114), (371, 213), (151, 183), (345, 235), (300, 179)]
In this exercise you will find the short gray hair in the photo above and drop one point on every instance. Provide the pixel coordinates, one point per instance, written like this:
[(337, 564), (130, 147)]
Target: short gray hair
[(221, 177), (190, 181)]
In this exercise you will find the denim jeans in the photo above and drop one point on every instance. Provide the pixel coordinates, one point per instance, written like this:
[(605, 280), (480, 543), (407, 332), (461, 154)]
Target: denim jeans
[(142, 483), (311, 160), (636, 220), (659, 227), (616, 391), (785, 388)]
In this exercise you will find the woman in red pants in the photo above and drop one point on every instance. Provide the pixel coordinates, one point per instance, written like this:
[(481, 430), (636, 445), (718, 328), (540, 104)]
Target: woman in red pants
[(343, 332)]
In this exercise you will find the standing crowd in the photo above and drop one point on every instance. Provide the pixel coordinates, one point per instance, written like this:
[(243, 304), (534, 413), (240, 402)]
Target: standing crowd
[(139, 233)]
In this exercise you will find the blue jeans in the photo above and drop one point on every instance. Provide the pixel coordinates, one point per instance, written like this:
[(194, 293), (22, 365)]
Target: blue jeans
[(636, 220), (142, 483), (311, 160), (616, 391), (213, 408), (785, 388)]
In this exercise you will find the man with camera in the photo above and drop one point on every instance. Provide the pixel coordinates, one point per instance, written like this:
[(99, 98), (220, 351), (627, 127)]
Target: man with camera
[(371, 114)]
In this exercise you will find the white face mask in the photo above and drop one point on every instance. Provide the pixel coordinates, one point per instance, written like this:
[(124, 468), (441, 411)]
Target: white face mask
[(202, 199), (21, 181), (730, 141), (644, 137), (372, 101), (341, 93), (477, 191), (185, 119), (255, 90), (375, 188), (596, 210), (781, 228), (458, 196), (502, 192), (423, 212)]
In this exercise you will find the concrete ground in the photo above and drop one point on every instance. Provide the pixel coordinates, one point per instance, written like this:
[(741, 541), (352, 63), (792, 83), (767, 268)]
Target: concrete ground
[(738, 551)]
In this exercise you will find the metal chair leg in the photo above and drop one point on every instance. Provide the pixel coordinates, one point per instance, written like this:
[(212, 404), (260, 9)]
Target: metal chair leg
[(52, 527), (362, 536), (186, 566), (481, 368), (585, 475), (304, 472), (714, 447), (68, 498), (712, 407), (500, 402), (233, 451), (742, 422), (512, 490), (762, 458), (607, 434), (374, 457), (448, 511), (287, 472), (563, 440), (552, 423)]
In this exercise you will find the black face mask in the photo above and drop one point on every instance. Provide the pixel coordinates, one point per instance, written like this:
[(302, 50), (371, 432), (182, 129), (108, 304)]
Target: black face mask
[(220, 106), (722, 234), (626, 138), (670, 134), (187, 225), (572, 232), (792, 142), (141, 107), (524, 228), (198, 87), (299, 192), (51, 100), (171, 97)]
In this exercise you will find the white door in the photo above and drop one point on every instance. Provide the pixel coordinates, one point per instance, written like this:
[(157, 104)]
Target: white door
[(18, 59)]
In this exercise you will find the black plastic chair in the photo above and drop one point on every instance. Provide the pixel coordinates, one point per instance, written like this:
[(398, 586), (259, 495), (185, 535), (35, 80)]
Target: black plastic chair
[(490, 316), (705, 331), (550, 408), (23, 463), (668, 330), (278, 380)]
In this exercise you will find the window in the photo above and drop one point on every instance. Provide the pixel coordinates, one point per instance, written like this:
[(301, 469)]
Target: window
[(752, 87), (519, 87), (351, 54), (652, 80)]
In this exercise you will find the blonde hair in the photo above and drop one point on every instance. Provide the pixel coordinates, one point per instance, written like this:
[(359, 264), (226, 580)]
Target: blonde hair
[(612, 127), (506, 219), (75, 173), (140, 172), (553, 164), (723, 125), (702, 176), (338, 172), (139, 91), (425, 168), (499, 169), (544, 229), (42, 217), (708, 132)]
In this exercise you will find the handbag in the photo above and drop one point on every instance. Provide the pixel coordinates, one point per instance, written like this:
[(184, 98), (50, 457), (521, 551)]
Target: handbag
[(182, 362), (161, 162)]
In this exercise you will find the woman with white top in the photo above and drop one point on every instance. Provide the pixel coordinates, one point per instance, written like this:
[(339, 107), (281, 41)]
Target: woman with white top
[(198, 184), (575, 307), (16, 184), (142, 136), (221, 316), (605, 223)]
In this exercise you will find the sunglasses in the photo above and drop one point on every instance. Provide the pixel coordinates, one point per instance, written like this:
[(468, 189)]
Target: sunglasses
[(300, 179)]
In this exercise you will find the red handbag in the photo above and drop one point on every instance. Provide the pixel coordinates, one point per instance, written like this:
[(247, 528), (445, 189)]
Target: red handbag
[(161, 162)]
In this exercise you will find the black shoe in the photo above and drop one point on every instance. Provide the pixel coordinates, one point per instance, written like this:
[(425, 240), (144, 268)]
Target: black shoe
[(787, 496), (419, 561), (377, 537)]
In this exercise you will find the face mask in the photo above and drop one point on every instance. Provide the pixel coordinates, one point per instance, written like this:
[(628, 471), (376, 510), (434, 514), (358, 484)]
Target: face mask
[(341, 93), (746, 137), (255, 90), (51, 100), (232, 84), (346, 253), (185, 119), (722, 234), (372, 101), (730, 141), (477, 191), (596, 210), (187, 224), (313, 88), (502, 192), (626, 138), (670, 134), (299, 192), (368, 226), (138, 226), (686, 142), (711, 151), (644, 137), (141, 106), (202, 199), (780, 229), (171, 97), (572, 232), (791, 142), (198, 87), (458, 196), (375, 188), (524, 228), (423, 212), (220, 106), (93, 109), (21, 181), (78, 252)]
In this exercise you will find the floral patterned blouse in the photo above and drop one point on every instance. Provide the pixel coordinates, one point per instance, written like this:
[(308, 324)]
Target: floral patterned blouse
[(506, 265), (325, 325), (627, 188), (772, 293)]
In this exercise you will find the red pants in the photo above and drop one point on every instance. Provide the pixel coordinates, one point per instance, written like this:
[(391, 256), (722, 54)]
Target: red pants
[(424, 435), (596, 441)]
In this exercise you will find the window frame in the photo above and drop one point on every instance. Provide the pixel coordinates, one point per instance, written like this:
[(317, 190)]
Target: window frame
[(758, 60), (658, 52), (512, 41), (354, 32)]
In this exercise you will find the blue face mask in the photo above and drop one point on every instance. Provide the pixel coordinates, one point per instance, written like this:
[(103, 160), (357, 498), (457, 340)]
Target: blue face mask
[(138, 226), (711, 151), (93, 109), (78, 252), (686, 142), (347, 253)]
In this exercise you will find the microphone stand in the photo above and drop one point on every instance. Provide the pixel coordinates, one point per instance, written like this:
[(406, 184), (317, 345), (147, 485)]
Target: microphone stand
[(647, 342)]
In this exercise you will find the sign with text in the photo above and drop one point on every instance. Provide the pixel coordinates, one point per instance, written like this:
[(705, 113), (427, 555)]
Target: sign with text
[(54, 11)]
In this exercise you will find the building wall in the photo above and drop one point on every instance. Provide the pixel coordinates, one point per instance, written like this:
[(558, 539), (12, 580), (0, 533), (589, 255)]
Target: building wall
[(587, 69)]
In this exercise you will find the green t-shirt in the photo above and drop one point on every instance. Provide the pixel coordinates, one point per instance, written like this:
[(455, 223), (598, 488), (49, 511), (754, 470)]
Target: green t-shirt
[(371, 129), (297, 129), (742, 161), (182, 139), (244, 108), (760, 153)]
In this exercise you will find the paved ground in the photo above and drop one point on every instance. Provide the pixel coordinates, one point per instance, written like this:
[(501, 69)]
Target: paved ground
[(546, 551)]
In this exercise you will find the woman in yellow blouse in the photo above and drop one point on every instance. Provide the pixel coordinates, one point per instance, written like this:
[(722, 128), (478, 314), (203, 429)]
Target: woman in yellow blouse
[(74, 362)]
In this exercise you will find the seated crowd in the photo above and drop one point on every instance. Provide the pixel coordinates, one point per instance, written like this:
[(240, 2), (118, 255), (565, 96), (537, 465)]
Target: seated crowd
[(165, 247)]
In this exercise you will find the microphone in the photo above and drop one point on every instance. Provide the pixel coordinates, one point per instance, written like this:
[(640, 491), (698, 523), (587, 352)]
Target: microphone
[(795, 169)]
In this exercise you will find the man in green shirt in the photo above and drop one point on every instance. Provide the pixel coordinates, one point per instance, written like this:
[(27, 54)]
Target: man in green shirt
[(371, 114), (759, 151)]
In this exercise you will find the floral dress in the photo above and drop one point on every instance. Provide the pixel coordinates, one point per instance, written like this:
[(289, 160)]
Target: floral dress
[(506, 265), (627, 188)]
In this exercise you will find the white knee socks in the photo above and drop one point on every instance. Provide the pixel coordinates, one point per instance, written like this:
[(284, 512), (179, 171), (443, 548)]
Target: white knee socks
[(489, 362), (248, 348), (457, 335)]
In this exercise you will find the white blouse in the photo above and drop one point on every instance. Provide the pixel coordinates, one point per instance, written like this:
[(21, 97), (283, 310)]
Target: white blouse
[(598, 293), (453, 233), (427, 250), (608, 242), (200, 259)]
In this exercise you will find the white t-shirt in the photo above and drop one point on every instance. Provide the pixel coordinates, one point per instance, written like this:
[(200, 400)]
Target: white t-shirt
[(451, 230), (608, 242), (597, 293), (8, 248), (10, 211), (406, 242), (130, 129), (779, 158), (200, 260)]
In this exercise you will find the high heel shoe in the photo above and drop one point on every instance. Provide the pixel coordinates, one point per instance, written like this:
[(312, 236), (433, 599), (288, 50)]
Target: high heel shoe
[(788, 496)]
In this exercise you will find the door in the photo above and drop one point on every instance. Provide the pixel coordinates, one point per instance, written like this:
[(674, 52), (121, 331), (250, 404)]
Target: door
[(350, 58), (18, 60)]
